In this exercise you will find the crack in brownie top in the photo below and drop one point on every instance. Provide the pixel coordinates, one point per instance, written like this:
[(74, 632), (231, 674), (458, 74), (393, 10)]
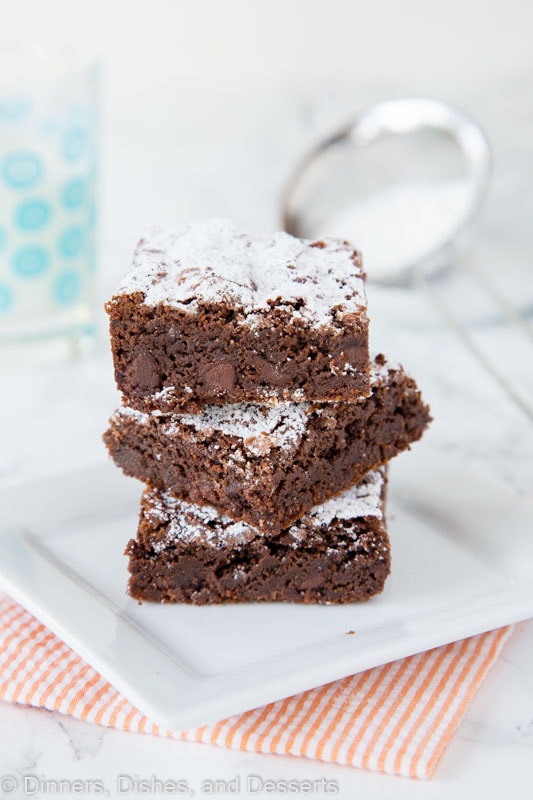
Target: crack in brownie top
[(363, 500), (259, 428), (212, 263), (188, 522)]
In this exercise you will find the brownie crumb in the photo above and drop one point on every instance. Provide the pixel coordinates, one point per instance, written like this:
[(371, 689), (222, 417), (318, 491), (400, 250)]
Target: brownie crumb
[(214, 315), (339, 553)]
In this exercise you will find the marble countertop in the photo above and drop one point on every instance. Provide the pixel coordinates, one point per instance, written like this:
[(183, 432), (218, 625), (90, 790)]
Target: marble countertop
[(489, 756), (53, 417)]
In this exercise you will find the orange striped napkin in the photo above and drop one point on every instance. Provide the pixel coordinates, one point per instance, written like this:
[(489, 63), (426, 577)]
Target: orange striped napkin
[(396, 718)]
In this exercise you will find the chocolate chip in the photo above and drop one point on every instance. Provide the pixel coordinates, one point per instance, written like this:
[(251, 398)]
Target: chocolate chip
[(144, 371), (219, 378), (269, 374), (353, 355), (353, 352)]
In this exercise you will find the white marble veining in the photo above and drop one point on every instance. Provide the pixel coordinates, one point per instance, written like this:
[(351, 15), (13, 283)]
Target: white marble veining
[(52, 419), (490, 755)]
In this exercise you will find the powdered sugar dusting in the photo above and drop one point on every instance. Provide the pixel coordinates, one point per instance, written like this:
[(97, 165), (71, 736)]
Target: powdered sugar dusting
[(260, 427), (187, 522), (363, 500), (380, 369), (140, 417), (211, 262), (190, 523)]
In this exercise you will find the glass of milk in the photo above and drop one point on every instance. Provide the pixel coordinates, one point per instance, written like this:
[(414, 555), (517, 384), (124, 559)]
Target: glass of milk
[(48, 171)]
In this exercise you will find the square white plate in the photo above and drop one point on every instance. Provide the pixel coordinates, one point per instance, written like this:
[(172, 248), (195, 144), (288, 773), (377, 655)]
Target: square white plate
[(462, 550)]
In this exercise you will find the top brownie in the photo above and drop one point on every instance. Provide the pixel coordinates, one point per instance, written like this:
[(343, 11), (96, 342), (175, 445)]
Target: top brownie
[(212, 315)]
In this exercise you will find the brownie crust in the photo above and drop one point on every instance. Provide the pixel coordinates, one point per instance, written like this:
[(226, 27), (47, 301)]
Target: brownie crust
[(168, 360), (270, 480), (214, 315), (341, 561)]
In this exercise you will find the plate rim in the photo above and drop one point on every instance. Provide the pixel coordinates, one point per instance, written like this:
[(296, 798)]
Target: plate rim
[(196, 706)]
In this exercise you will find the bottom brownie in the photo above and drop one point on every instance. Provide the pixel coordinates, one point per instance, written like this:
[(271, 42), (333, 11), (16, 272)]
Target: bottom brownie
[(337, 553)]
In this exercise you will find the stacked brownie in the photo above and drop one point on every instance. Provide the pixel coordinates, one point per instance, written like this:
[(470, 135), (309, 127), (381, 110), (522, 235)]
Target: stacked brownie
[(257, 419)]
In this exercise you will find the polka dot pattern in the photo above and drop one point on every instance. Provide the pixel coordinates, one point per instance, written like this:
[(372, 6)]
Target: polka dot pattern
[(74, 143), (47, 221), (22, 170), (70, 242), (67, 287), (14, 110), (73, 193), (31, 215), (30, 261)]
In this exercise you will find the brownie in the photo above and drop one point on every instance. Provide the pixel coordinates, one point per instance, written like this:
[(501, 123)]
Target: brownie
[(338, 553), (268, 465), (211, 315)]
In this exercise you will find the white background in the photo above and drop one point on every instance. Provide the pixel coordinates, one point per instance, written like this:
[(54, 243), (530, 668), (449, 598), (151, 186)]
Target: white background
[(184, 80), (246, 43), (206, 106)]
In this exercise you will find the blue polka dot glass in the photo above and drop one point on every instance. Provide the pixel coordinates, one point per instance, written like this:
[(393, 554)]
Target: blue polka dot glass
[(48, 171)]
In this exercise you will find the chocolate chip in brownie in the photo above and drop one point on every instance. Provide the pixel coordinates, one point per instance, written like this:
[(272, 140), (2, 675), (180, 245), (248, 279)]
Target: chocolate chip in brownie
[(219, 378), (210, 294), (144, 371), (269, 374), (269, 464), (338, 553)]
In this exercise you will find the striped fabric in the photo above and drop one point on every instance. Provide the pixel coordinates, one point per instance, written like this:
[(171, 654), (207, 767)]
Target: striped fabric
[(396, 718)]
